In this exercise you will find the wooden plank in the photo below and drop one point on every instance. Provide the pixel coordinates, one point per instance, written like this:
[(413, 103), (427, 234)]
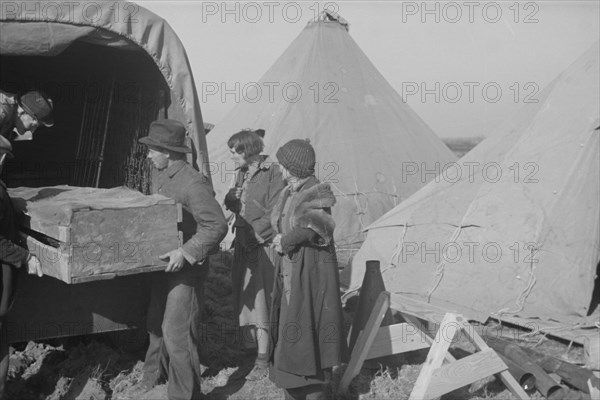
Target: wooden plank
[(434, 381), (394, 339), (64, 234), (436, 355), (112, 275), (594, 389), (509, 381), (55, 262), (365, 340), (116, 241), (95, 259), (409, 306), (179, 212), (472, 334), (416, 322), (133, 225), (433, 312), (79, 263), (51, 209), (464, 372)]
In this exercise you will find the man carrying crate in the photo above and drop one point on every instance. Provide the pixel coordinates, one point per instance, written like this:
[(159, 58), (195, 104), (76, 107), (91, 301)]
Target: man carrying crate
[(177, 297)]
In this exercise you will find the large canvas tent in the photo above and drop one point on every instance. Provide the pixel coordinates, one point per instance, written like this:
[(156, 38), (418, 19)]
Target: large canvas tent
[(518, 234), (323, 87), (111, 68)]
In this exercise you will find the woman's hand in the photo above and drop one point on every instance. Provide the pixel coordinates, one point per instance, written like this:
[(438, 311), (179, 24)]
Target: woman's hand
[(232, 199), (277, 243), (238, 192)]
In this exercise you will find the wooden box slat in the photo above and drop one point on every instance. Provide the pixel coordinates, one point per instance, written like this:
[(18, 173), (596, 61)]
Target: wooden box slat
[(97, 233)]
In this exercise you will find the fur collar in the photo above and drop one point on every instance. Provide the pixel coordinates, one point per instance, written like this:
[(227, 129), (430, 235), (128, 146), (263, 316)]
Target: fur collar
[(311, 209)]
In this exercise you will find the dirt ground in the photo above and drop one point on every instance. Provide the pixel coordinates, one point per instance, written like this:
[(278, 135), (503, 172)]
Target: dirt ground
[(109, 366)]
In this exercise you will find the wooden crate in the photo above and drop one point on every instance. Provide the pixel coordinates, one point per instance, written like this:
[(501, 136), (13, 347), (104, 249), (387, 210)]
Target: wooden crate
[(85, 234)]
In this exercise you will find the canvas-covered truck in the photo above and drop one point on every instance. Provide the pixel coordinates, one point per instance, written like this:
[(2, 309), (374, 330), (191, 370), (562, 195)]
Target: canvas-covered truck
[(111, 68)]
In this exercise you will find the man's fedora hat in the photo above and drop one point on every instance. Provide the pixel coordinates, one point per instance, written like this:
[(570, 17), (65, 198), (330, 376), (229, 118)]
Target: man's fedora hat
[(38, 105), (167, 134)]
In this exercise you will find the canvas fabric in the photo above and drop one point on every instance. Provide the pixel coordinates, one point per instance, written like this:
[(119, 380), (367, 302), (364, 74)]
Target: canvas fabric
[(363, 132), (502, 244)]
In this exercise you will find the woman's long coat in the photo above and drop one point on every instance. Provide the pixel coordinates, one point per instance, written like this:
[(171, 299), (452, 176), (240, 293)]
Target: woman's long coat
[(254, 258), (311, 331)]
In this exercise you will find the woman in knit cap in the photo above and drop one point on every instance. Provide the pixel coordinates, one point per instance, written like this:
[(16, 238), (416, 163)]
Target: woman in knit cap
[(307, 330), (252, 197)]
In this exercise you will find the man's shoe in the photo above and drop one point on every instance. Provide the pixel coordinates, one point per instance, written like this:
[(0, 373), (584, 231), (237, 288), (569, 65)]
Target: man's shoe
[(258, 373)]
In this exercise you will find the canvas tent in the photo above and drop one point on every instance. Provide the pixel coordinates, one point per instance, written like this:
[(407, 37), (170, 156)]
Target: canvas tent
[(323, 87), (520, 234), (111, 68)]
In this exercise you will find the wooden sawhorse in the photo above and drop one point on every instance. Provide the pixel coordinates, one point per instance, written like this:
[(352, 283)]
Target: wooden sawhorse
[(435, 379)]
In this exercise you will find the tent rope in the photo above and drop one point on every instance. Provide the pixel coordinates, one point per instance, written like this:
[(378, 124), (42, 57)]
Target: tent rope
[(545, 334), (439, 270), (395, 196), (360, 211), (348, 293), (566, 355), (520, 302), (545, 331), (395, 259)]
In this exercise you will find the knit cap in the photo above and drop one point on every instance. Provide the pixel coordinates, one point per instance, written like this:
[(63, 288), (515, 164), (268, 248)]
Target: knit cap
[(298, 157)]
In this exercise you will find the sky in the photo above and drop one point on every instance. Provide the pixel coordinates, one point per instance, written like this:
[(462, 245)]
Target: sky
[(464, 66)]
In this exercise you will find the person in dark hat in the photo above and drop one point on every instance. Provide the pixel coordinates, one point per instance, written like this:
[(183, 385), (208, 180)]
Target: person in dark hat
[(307, 325), (20, 116), (177, 296), (12, 257)]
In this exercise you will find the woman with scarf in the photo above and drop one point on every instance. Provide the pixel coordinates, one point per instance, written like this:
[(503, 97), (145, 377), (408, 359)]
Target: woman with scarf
[(307, 328)]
